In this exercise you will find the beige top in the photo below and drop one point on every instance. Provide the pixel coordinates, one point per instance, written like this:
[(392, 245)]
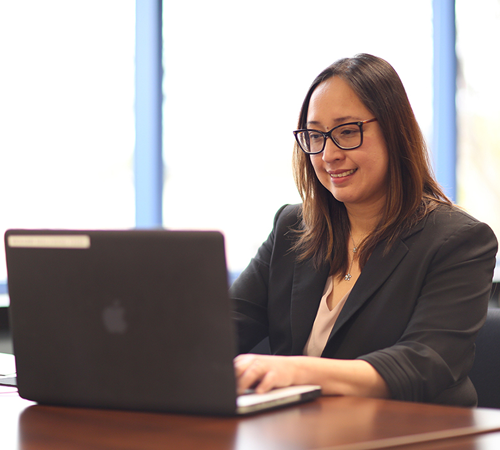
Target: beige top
[(324, 322)]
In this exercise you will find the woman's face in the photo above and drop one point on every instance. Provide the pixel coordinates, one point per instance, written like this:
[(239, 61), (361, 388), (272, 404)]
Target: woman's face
[(355, 177)]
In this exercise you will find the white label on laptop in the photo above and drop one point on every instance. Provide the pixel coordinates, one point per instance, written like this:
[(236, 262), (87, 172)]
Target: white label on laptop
[(45, 241)]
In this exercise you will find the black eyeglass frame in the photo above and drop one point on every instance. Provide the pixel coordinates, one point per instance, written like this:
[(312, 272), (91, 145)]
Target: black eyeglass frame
[(328, 134)]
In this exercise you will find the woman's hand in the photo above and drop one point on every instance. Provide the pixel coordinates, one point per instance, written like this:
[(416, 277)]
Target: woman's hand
[(336, 377), (264, 372)]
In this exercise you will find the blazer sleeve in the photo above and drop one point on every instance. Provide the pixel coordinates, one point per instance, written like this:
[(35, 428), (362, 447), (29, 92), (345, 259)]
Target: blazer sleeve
[(249, 294), (436, 351)]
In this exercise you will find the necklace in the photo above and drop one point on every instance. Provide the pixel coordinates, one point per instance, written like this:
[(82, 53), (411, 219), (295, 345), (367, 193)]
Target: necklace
[(348, 275)]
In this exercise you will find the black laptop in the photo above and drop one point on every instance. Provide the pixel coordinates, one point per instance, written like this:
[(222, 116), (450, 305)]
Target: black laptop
[(135, 319)]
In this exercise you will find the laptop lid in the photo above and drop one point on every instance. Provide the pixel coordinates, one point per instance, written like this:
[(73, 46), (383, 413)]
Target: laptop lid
[(130, 319)]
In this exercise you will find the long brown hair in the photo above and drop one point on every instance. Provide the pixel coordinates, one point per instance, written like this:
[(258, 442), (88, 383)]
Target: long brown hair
[(412, 191)]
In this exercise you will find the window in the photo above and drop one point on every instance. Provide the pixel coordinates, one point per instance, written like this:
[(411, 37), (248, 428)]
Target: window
[(67, 114), (478, 108), (235, 77)]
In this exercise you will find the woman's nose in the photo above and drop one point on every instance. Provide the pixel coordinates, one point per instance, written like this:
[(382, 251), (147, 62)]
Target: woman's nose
[(332, 152)]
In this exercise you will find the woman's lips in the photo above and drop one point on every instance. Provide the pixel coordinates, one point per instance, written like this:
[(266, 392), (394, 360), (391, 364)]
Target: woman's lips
[(342, 174)]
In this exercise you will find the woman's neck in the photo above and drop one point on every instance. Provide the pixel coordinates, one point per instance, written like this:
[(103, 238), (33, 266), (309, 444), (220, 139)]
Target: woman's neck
[(362, 221)]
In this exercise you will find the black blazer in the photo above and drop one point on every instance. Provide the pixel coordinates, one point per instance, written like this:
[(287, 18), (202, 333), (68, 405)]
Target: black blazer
[(413, 313)]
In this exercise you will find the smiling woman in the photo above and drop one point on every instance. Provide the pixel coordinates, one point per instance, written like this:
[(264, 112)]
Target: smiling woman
[(376, 285)]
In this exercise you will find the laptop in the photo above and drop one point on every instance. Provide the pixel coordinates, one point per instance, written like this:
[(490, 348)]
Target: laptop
[(130, 319)]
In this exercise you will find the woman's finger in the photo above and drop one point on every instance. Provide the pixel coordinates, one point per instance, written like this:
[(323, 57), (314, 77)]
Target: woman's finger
[(249, 371)]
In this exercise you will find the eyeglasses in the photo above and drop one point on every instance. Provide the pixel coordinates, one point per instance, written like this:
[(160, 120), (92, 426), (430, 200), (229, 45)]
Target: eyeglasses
[(346, 136)]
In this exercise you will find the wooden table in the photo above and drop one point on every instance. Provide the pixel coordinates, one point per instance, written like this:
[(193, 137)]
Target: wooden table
[(328, 423)]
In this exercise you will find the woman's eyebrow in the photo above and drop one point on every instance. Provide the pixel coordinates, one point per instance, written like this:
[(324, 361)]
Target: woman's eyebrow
[(339, 120)]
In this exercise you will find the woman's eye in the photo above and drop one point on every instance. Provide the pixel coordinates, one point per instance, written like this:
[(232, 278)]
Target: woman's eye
[(349, 132), (315, 136)]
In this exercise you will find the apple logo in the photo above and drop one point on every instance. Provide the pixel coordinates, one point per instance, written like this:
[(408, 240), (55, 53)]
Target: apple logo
[(113, 317)]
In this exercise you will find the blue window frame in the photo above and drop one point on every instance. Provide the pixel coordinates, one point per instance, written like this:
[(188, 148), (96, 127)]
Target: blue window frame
[(148, 158), (444, 142)]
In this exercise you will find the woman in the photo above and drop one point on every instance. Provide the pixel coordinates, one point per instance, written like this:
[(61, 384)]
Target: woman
[(376, 285)]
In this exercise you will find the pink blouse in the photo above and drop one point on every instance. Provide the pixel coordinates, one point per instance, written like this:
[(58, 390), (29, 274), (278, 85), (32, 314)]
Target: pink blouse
[(324, 322)]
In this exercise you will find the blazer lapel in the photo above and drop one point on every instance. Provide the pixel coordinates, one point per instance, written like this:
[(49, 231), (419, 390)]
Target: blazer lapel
[(309, 284), (307, 290), (378, 268), (374, 274)]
